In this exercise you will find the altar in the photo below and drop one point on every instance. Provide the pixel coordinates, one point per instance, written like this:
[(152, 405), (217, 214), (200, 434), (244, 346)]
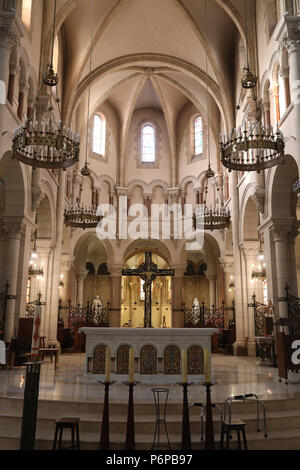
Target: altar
[(157, 352)]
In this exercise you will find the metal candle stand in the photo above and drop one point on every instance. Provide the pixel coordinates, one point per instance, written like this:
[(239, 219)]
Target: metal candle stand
[(130, 434), (209, 425), (31, 396), (104, 440), (186, 442)]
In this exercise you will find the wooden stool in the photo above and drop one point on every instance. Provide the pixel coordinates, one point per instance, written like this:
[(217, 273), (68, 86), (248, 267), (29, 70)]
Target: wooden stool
[(234, 425), (67, 423)]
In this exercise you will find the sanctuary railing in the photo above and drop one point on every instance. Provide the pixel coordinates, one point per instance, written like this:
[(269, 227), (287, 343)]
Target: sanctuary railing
[(205, 317), (293, 306), (79, 316)]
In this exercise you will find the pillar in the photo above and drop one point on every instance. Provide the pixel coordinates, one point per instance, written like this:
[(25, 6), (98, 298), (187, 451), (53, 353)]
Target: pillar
[(115, 284), (292, 42), (80, 278), (212, 279), (281, 254), (177, 296), (57, 258), (14, 231)]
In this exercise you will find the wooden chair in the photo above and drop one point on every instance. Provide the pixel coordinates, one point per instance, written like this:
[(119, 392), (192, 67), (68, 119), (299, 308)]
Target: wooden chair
[(234, 425), (67, 423), (243, 350)]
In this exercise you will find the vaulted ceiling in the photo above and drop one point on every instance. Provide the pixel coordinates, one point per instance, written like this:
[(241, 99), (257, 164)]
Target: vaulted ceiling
[(149, 53)]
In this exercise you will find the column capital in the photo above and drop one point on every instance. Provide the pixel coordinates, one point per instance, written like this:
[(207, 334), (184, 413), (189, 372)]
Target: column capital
[(291, 38), (280, 229), (179, 269), (8, 37), (82, 274), (115, 270), (14, 228), (226, 265), (210, 276)]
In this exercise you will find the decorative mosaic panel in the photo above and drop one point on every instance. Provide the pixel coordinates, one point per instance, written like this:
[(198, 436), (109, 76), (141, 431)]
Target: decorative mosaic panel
[(195, 360), (172, 360), (148, 360), (123, 359), (99, 360)]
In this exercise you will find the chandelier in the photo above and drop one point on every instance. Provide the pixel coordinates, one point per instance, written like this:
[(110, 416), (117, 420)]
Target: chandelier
[(43, 143), (81, 216), (256, 147), (259, 273), (35, 270)]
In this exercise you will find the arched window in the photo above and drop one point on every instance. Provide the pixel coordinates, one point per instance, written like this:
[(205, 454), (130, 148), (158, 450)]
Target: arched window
[(198, 135), (26, 13), (148, 144), (99, 135), (56, 54)]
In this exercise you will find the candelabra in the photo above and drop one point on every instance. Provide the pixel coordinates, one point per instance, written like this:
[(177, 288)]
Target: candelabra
[(256, 148), (82, 216), (46, 144)]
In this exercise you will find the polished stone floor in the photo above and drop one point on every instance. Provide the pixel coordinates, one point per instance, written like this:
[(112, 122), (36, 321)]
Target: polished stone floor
[(235, 375)]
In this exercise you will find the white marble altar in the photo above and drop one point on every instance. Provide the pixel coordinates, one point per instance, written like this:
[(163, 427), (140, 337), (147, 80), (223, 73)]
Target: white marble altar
[(137, 338)]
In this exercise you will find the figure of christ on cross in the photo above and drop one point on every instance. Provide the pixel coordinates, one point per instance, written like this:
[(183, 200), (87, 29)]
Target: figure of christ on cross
[(148, 272)]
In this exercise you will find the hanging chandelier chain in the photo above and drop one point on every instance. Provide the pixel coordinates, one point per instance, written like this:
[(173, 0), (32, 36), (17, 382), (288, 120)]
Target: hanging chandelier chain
[(246, 32), (85, 171), (53, 32)]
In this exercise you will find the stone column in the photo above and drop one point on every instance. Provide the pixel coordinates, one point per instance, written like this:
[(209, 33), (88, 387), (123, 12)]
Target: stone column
[(227, 266), (177, 296), (240, 336), (14, 231), (13, 72), (80, 278), (291, 41), (77, 179), (280, 241), (115, 271), (212, 278), (7, 40), (22, 99), (250, 253), (57, 257)]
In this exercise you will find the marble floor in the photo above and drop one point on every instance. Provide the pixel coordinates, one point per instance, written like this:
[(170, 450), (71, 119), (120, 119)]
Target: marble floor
[(235, 375)]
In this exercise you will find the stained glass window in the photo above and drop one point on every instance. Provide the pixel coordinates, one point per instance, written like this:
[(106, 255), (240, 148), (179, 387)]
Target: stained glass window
[(148, 144), (198, 135), (99, 135)]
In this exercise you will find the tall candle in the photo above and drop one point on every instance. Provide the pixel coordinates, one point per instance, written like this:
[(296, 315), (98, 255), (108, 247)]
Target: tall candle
[(131, 365), (207, 365), (184, 366), (107, 365)]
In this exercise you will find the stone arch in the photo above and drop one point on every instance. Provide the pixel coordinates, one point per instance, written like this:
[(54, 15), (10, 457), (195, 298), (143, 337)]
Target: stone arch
[(99, 355), (123, 359), (195, 360), (172, 360), (148, 361)]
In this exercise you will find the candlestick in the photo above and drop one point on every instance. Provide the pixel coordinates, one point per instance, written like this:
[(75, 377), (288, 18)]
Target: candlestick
[(131, 365), (207, 365), (184, 365), (107, 365)]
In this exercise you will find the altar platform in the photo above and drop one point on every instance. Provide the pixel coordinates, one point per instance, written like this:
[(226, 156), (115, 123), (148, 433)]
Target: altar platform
[(68, 391), (157, 352)]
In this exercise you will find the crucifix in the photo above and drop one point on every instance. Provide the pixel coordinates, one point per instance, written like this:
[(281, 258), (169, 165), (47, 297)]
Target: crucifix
[(148, 272)]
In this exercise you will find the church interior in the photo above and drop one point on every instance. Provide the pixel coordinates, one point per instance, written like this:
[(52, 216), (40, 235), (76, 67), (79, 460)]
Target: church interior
[(149, 233)]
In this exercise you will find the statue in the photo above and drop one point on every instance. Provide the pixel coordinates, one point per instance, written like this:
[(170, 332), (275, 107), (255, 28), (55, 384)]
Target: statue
[(196, 311), (97, 306)]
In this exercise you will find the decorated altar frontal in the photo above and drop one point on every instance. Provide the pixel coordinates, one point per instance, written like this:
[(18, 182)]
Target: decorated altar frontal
[(157, 352)]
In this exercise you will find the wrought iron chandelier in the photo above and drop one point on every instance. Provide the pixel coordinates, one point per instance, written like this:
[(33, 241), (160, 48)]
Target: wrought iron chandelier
[(259, 273), (35, 270), (45, 143), (218, 217), (81, 216), (256, 147)]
